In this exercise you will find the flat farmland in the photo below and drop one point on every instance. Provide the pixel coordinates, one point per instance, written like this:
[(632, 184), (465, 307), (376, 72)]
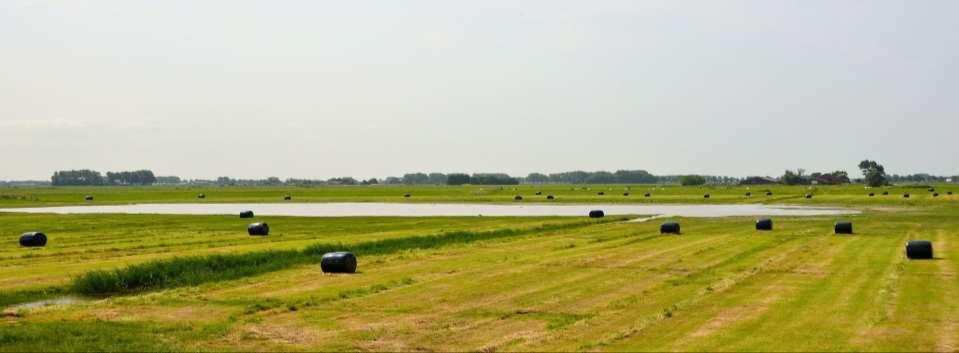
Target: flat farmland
[(483, 283)]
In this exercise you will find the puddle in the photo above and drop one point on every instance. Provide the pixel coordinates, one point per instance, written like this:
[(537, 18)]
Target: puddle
[(347, 209), (48, 302)]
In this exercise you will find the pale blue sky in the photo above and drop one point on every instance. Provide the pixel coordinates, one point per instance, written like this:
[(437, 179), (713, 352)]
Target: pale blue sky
[(373, 88)]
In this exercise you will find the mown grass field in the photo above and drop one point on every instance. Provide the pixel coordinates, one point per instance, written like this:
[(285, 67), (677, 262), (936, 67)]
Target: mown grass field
[(836, 195), (489, 283)]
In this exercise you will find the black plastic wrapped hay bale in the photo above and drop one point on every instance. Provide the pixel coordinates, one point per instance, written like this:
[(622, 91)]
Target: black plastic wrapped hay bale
[(539, 193), (549, 197), (843, 227), (246, 214), (647, 195), (597, 214), (905, 196), (949, 193), (885, 193), (625, 194), (748, 194), (600, 193), (287, 197), (517, 198), (764, 224), (935, 194), (769, 193), (932, 190), (808, 196), (871, 194), (669, 228), (407, 195), (919, 249), (88, 197), (260, 228), (706, 196), (338, 262), (201, 196), (33, 239)]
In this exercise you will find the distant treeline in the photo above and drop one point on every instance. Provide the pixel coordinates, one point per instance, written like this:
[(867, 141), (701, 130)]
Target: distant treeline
[(86, 177), (91, 177), (921, 178), (573, 177)]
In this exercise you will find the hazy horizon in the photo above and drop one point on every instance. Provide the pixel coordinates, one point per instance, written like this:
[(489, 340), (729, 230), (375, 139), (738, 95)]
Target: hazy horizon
[(372, 89)]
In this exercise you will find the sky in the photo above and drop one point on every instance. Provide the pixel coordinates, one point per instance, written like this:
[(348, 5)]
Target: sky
[(320, 89)]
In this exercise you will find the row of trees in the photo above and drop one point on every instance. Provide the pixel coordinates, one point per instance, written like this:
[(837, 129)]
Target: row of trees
[(874, 174), (799, 177), (572, 177), (91, 177)]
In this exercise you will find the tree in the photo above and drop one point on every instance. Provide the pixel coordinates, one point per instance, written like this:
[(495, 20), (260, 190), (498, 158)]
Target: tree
[(635, 176), (601, 177), (416, 178), (688, 180), (874, 173), (492, 179), (77, 177), (437, 178), (457, 179), (537, 178), (795, 178)]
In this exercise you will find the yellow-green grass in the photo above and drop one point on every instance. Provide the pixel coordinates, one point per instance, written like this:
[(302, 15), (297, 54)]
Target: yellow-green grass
[(855, 194), (80, 243), (603, 286)]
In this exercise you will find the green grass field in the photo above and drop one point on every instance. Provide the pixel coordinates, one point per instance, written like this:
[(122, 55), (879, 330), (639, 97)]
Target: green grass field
[(483, 283)]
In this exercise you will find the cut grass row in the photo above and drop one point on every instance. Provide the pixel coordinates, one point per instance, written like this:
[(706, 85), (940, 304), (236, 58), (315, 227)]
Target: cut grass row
[(190, 271)]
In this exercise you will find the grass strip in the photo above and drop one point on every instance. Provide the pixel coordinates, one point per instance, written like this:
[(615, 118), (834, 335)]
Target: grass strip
[(191, 271)]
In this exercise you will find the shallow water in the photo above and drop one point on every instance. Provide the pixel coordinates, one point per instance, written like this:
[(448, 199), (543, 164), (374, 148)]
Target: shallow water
[(46, 302), (347, 209)]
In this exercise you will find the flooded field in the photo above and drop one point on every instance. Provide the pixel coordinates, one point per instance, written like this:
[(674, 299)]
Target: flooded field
[(359, 209)]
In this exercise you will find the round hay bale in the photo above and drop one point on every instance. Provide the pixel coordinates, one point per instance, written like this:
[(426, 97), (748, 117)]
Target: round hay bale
[(597, 214), (764, 224), (948, 192), (260, 228), (669, 228), (33, 239), (600, 193), (246, 214), (201, 196), (338, 262), (932, 190), (706, 196), (407, 195), (748, 194), (935, 194), (905, 195), (843, 227), (88, 197), (287, 197), (647, 195), (549, 197), (871, 194), (919, 249), (808, 196), (769, 193), (539, 193), (885, 193), (625, 194), (517, 198)]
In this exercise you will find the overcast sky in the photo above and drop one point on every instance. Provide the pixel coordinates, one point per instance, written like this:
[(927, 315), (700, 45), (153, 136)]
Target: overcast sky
[(320, 89)]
